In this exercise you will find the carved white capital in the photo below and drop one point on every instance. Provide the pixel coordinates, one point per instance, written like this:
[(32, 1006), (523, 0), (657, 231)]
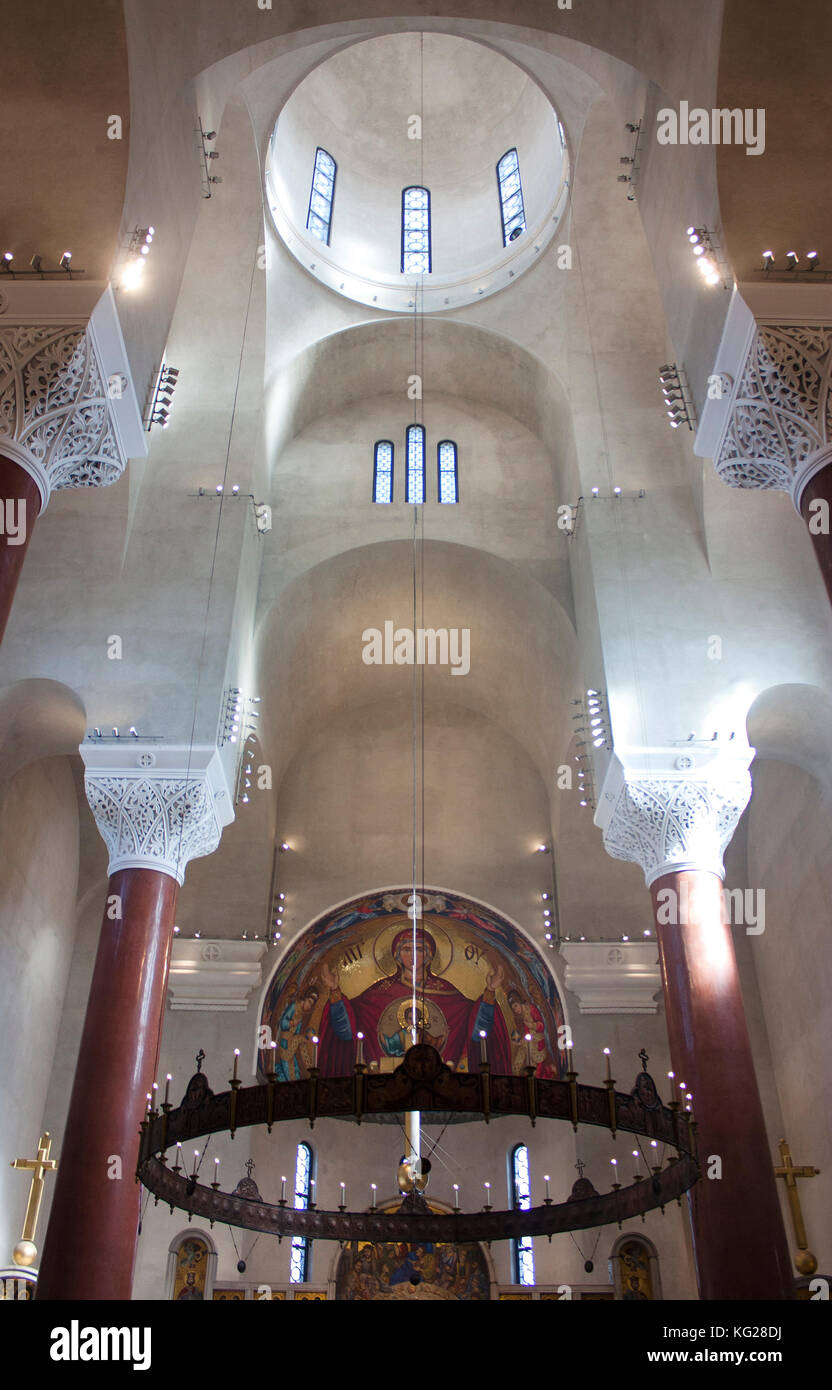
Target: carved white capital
[(670, 809), (55, 418), (778, 431), (156, 807)]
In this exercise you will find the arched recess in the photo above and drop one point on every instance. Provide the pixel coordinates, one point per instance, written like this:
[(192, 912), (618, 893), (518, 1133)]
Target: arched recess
[(634, 1269), (793, 723), (380, 1273), (38, 719), (192, 1266), (347, 973)]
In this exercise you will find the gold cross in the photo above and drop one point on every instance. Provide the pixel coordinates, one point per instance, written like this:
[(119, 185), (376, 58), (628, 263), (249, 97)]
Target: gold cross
[(790, 1173), (40, 1165)]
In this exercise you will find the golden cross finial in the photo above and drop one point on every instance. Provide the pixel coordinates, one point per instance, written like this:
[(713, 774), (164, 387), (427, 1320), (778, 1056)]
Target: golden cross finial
[(805, 1262), (25, 1251)]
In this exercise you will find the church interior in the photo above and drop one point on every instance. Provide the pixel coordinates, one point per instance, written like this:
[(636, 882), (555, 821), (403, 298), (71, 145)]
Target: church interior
[(416, 708)]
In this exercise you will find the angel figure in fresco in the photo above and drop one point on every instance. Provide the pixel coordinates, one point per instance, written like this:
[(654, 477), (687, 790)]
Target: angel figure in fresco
[(528, 1019), (461, 1019), (293, 1057)]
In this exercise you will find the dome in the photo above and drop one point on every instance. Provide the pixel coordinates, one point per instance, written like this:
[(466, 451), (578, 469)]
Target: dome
[(426, 112)]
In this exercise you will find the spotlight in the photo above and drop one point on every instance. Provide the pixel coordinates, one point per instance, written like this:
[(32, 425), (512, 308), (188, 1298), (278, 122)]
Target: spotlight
[(595, 491), (8, 257), (36, 262), (235, 489), (812, 258), (768, 260), (134, 731), (66, 261), (792, 258), (219, 487)]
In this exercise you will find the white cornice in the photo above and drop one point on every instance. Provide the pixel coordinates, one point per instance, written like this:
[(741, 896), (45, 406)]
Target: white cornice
[(215, 975), (613, 977)]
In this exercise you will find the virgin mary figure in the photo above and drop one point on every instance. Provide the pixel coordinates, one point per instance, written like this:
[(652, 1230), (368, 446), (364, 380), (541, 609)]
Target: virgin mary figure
[(457, 1020)]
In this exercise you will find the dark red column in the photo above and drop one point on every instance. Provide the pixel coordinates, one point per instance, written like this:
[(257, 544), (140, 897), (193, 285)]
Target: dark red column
[(20, 501), (739, 1241), (91, 1239), (819, 488)]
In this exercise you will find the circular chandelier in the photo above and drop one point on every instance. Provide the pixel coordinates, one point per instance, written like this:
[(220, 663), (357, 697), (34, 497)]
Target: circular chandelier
[(423, 1083)]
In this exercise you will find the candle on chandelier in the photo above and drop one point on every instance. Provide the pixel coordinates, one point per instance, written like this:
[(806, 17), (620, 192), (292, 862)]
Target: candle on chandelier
[(671, 1076), (315, 1040), (566, 1046), (528, 1049), (636, 1156), (359, 1052), (283, 1189), (483, 1053), (216, 1169), (196, 1156), (271, 1054), (689, 1099), (343, 1186), (546, 1180), (168, 1080), (487, 1186), (149, 1103), (155, 1088), (607, 1056), (373, 1191), (236, 1059), (312, 1191), (456, 1196)]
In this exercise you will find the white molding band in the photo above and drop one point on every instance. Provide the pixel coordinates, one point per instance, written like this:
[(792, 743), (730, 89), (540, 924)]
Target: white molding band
[(55, 407), (611, 977), (157, 808), (216, 975), (669, 809)]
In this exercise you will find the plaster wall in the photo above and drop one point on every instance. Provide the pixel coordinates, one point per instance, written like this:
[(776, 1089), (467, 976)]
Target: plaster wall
[(38, 826)]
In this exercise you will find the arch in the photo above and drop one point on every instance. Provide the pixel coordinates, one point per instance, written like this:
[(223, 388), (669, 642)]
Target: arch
[(792, 723), (39, 718), (192, 1265), (465, 943), (634, 1268)]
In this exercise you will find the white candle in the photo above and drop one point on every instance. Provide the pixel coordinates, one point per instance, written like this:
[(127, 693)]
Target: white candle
[(315, 1041), (283, 1189), (483, 1053), (546, 1180), (528, 1049), (487, 1186), (607, 1055), (216, 1170), (272, 1051), (343, 1194), (359, 1055), (373, 1191), (168, 1080), (456, 1196), (236, 1057)]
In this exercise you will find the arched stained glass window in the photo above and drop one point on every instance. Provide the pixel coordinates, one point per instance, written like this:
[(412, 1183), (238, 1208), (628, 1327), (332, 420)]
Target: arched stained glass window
[(522, 1251), (299, 1262), (319, 216), (415, 463), (383, 472), (510, 189), (448, 471), (416, 231)]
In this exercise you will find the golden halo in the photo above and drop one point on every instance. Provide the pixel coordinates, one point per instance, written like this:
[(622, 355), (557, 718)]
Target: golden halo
[(383, 955), (421, 1021)]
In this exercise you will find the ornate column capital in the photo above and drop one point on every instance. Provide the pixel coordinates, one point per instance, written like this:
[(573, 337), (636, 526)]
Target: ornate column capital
[(778, 432), (55, 417), (669, 809), (159, 807)]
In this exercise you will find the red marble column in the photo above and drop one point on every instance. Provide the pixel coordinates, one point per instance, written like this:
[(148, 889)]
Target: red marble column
[(20, 501), (91, 1239), (739, 1240), (819, 488)]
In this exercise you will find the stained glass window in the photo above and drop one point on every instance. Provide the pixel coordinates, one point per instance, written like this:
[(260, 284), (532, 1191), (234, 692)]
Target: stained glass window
[(415, 463), (521, 1197), (319, 216), (510, 189), (383, 472), (448, 473), (299, 1263), (415, 231)]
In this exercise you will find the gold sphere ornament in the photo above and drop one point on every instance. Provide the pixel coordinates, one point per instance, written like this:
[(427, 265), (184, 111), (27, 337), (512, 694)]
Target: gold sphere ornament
[(25, 1253), (805, 1262)]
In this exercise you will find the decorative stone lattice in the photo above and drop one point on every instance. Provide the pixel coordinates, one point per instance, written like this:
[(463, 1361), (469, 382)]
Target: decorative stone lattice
[(160, 822), (672, 823), (54, 407), (782, 412)]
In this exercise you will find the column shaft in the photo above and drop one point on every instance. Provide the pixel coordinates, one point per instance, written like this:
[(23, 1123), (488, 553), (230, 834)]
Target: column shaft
[(20, 503), (739, 1241), (91, 1240), (817, 489)]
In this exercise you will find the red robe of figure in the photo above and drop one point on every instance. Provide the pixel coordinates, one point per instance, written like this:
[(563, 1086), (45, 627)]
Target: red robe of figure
[(343, 1018)]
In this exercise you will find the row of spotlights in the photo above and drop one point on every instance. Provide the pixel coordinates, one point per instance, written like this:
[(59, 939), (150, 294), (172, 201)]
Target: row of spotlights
[(792, 259), (65, 263), (700, 240)]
